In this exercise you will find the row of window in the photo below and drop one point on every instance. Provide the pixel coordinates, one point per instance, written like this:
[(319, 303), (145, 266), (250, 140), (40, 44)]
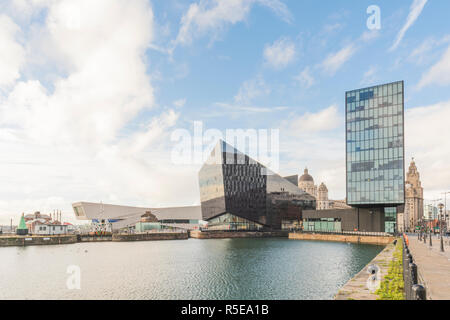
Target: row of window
[(376, 144), (382, 90), (371, 134), (375, 186), (374, 123), (387, 171), (380, 154), (376, 197), (375, 103)]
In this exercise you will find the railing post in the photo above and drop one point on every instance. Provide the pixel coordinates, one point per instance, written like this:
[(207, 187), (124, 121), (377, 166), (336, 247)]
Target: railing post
[(413, 268), (419, 292)]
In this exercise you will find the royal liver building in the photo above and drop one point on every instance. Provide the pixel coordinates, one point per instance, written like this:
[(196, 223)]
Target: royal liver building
[(413, 198)]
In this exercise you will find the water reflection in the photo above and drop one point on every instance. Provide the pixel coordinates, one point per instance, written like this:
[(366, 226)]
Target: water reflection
[(193, 269)]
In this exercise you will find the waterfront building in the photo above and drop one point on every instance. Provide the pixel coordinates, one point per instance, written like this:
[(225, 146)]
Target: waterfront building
[(414, 198), (375, 150), (323, 203), (117, 217), (339, 204), (430, 212), (306, 183), (37, 216), (238, 193), (338, 220), (40, 228), (401, 222)]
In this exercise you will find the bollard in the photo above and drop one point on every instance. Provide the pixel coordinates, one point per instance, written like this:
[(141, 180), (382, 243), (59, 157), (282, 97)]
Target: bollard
[(413, 270), (419, 292), (409, 258)]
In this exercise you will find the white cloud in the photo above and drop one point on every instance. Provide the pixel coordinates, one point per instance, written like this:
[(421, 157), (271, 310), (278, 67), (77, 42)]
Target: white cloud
[(426, 139), (369, 76), (179, 103), (250, 90), (280, 54), (76, 137), (212, 16), (316, 140), (438, 74), (414, 13), (336, 60), (311, 123), (305, 78), (12, 54)]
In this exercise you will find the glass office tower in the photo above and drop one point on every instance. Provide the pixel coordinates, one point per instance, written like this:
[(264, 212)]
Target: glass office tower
[(238, 193), (375, 148)]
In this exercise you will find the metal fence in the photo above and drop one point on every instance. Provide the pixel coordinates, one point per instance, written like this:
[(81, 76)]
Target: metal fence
[(356, 233), (413, 290)]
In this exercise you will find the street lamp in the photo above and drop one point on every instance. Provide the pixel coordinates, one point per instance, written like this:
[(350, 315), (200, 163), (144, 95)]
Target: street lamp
[(441, 206), (445, 203)]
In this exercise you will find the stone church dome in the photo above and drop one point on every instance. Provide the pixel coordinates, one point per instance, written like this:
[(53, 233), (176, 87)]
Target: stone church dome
[(306, 177)]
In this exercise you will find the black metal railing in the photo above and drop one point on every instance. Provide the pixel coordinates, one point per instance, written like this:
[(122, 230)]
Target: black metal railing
[(413, 290), (348, 233)]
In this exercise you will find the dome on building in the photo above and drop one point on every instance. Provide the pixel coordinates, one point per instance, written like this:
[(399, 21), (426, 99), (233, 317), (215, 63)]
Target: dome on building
[(306, 177), (323, 187)]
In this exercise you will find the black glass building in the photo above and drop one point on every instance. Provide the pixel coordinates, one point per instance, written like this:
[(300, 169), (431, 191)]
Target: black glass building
[(238, 193), (375, 148)]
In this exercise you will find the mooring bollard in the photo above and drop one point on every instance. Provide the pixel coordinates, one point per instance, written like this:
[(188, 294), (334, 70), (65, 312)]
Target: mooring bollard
[(419, 292)]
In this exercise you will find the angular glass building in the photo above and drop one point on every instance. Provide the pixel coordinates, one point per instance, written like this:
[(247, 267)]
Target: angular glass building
[(375, 149), (238, 193)]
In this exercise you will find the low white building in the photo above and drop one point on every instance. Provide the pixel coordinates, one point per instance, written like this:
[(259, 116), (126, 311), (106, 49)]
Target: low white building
[(49, 229)]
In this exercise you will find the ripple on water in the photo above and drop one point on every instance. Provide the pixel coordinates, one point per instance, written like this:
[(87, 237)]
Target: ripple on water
[(193, 269)]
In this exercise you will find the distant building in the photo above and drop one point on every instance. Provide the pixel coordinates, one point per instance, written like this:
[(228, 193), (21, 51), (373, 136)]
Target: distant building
[(430, 212), (40, 228), (37, 216), (117, 217), (306, 183), (413, 198), (238, 193), (339, 204), (400, 222), (322, 198)]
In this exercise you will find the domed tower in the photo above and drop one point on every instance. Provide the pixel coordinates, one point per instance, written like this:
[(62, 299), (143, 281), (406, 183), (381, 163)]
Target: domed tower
[(322, 198), (413, 198), (306, 183)]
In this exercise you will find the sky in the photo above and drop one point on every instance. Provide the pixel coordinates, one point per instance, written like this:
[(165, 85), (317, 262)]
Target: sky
[(93, 92)]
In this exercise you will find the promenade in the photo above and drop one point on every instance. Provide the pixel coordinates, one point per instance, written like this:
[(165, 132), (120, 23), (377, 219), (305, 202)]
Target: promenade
[(433, 266)]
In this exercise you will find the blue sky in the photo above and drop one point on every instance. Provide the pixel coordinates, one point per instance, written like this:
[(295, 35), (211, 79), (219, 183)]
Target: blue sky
[(213, 71), (90, 94)]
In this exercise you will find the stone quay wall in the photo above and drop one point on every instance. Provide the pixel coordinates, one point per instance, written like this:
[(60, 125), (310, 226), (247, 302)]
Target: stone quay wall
[(230, 234), (150, 236), (377, 240), (23, 241), (90, 238)]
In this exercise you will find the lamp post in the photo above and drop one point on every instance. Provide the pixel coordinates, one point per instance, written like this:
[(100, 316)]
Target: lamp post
[(441, 220), (445, 203)]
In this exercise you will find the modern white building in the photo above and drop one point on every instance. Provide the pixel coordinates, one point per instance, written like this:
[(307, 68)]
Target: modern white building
[(123, 216)]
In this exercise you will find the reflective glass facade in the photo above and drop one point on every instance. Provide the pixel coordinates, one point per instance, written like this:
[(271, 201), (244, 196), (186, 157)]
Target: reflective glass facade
[(390, 219), (375, 145), (233, 185)]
